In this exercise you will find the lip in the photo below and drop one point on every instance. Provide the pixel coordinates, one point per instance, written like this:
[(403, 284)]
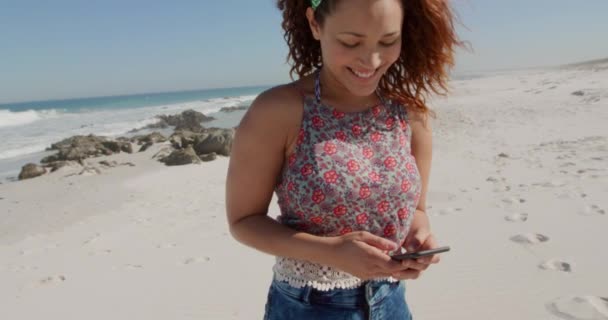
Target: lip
[(352, 71)]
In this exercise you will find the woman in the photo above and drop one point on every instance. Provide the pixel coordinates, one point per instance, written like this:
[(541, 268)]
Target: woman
[(347, 149)]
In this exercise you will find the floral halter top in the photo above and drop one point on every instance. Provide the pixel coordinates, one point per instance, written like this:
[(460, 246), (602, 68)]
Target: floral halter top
[(349, 172)]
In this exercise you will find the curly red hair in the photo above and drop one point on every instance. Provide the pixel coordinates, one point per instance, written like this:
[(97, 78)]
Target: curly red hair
[(427, 51)]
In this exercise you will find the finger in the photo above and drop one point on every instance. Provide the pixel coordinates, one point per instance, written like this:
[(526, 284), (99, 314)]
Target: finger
[(429, 243), (396, 266), (413, 264), (429, 260), (378, 242), (414, 241), (407, 274)]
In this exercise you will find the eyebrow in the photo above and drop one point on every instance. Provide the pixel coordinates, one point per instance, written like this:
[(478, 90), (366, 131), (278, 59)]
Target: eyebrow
[(363, 36)]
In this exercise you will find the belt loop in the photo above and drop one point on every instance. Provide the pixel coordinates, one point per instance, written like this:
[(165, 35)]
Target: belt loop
[(306, 292), (369, 292)]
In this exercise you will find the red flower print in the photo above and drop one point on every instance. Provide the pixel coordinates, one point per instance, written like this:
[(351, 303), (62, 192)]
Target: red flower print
[(376, 136), (330, 176), (330, 148), (317, 122), (361, 218), (291, 186), (402, 124), (300, 214), (383, 206), (346, 230), (368, 152), (306, 170), (300, 136), (402, 140), (405, 186), (390, 230), (365, 192), (376, 110), (316, 220), (403, 213), (318, 196), (292, 159), (390, 162), (356, 129), (389, 123), (340, 210), (353, 166), (338, 114), (340, 135), (410, 168), (374, 176)]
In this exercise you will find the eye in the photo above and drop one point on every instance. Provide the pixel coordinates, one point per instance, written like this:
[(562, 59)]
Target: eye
[(348, 45), (389, 44)]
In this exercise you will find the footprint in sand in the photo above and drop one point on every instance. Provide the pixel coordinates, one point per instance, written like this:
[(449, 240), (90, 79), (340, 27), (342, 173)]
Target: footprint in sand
[(580, 308), (513, 200), (517, 217), (195, 260), (100, 252), (557, 265), (92, 239), (52, 279), (592, 210), (530, 238)]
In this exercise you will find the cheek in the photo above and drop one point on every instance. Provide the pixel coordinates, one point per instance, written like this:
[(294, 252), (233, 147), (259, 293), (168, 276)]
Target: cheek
[(392, 54), (338, 56)]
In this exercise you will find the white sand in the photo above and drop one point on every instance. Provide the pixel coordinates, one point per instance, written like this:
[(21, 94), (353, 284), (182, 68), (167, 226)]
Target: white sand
[(527, 229)]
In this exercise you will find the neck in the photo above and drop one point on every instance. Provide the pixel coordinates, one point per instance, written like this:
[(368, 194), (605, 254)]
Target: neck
[(339, 96)]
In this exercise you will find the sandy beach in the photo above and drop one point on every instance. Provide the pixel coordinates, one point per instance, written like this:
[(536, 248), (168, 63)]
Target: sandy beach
[(518, 189)]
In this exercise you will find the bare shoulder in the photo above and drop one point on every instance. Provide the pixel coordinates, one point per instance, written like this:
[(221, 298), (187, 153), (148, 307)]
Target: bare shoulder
[(419, 122), (276, 107)]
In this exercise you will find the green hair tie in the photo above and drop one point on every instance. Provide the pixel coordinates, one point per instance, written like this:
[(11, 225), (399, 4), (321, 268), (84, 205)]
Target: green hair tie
[(315, 4)]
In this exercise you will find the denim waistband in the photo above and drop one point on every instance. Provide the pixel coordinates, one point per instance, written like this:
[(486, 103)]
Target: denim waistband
[(369, 293)]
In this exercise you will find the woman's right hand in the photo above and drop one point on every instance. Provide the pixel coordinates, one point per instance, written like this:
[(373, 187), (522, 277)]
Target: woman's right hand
[(364, 255)]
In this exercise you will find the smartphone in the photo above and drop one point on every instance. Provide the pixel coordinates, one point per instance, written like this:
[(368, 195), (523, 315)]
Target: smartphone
[(418, 254)]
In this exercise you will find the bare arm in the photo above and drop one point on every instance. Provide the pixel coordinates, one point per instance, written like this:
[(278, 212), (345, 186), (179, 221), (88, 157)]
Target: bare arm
[(420, 230), (256, 159)]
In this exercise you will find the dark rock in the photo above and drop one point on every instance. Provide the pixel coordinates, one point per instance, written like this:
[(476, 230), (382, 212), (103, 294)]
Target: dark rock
[(214, 140), (153, 137), (31, 170), (145, 146), (181, 139), (187, 120), (208, 157), (181, 157), (503, 155), (578, 93), (77, 148)]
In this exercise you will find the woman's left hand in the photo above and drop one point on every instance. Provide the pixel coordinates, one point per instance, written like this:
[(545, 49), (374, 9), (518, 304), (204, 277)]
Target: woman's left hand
[(418, 238)]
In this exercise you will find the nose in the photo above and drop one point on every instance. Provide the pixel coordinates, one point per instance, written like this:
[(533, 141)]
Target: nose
[(370, 59)]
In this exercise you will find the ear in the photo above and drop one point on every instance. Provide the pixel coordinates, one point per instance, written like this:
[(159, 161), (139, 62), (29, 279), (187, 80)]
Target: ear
[(312, 23)]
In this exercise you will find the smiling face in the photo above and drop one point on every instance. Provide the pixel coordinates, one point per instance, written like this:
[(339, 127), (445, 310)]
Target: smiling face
[(359, 41)]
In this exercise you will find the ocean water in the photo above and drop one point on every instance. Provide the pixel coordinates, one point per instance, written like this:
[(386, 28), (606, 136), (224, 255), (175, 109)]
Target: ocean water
[(27, 129)]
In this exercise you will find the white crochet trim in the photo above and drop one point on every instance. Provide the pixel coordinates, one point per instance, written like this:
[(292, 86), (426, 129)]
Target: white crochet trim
[(300, 273)]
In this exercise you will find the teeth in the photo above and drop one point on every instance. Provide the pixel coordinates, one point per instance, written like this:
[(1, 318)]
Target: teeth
[(363, 75)]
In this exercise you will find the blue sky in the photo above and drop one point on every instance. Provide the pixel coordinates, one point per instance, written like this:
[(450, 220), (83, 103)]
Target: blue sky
[(62, 49)]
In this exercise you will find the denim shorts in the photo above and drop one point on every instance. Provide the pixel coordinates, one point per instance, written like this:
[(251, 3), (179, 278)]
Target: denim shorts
[(371, 301)]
